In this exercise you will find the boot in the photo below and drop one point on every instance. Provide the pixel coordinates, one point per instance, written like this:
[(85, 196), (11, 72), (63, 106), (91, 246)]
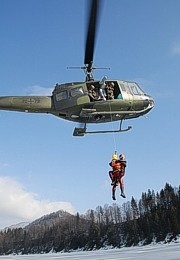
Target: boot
[(113, 197), (122, 193)]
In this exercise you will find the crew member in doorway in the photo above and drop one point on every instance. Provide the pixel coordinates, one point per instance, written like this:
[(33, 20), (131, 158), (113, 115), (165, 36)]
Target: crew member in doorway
[(110, 90), (92, 93)]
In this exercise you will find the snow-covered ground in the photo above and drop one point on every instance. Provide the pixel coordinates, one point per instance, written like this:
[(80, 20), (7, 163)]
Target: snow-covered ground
[(151, 252)]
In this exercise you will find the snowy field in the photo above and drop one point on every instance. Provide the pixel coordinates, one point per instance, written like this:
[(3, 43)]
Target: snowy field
[(151, 252)]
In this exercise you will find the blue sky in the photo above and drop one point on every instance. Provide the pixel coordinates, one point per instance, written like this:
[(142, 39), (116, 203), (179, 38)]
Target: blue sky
[(43, 168)]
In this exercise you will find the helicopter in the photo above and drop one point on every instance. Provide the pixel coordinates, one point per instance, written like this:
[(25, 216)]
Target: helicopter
[(112, 100)]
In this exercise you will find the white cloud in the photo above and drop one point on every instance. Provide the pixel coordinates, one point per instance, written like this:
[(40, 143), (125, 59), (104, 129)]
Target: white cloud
[(17, 204), (40, 91)]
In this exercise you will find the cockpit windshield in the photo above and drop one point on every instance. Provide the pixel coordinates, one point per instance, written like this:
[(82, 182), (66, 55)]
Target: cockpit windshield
[(135, 89)]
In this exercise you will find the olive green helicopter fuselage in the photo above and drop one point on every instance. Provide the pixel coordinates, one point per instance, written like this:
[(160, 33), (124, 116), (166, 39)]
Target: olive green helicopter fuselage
[(71, 101), (112, 100)]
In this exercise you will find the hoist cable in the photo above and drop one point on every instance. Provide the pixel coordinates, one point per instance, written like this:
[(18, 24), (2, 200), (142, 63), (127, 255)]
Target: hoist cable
[(113, 134)]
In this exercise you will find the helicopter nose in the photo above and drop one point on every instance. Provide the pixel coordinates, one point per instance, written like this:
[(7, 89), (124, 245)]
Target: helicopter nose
[(148, 102), (151, 102)]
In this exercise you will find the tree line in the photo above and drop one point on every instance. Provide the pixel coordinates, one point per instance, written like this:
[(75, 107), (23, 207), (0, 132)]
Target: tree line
[(151, 218)]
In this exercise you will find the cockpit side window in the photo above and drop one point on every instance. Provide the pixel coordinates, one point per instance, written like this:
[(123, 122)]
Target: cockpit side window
[(123, 87), (61, 95), (134, 89), (76, 92), (128, 90)]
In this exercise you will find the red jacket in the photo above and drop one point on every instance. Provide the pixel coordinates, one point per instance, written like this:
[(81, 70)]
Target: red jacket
[(118, 165)]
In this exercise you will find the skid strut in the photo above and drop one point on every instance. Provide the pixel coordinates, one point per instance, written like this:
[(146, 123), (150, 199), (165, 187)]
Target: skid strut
[(82, 130)]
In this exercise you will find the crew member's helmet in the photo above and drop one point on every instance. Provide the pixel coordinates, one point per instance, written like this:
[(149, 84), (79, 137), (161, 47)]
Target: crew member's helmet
[(114, 157), (121, 157)]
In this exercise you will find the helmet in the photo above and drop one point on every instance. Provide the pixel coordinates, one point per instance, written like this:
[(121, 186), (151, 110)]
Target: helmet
[(122, 157), (114, 157), (111, 84)]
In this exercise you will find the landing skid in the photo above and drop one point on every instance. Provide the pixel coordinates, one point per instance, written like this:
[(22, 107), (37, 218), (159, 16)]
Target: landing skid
[(82, 131)]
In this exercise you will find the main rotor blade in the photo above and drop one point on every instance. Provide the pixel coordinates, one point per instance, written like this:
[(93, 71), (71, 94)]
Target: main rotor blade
[(91, 32)]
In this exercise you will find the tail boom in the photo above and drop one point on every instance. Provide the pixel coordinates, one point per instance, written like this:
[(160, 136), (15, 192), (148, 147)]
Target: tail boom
[(41, 104)]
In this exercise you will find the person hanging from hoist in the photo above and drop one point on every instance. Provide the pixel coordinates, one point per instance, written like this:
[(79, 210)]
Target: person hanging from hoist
[(118, 171), (113, 165)]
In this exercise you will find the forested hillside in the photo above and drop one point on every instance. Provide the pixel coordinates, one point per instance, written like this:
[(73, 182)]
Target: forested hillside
[(152, 218)]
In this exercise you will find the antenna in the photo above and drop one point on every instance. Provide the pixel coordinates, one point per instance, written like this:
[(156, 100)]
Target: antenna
[(88, 70)]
